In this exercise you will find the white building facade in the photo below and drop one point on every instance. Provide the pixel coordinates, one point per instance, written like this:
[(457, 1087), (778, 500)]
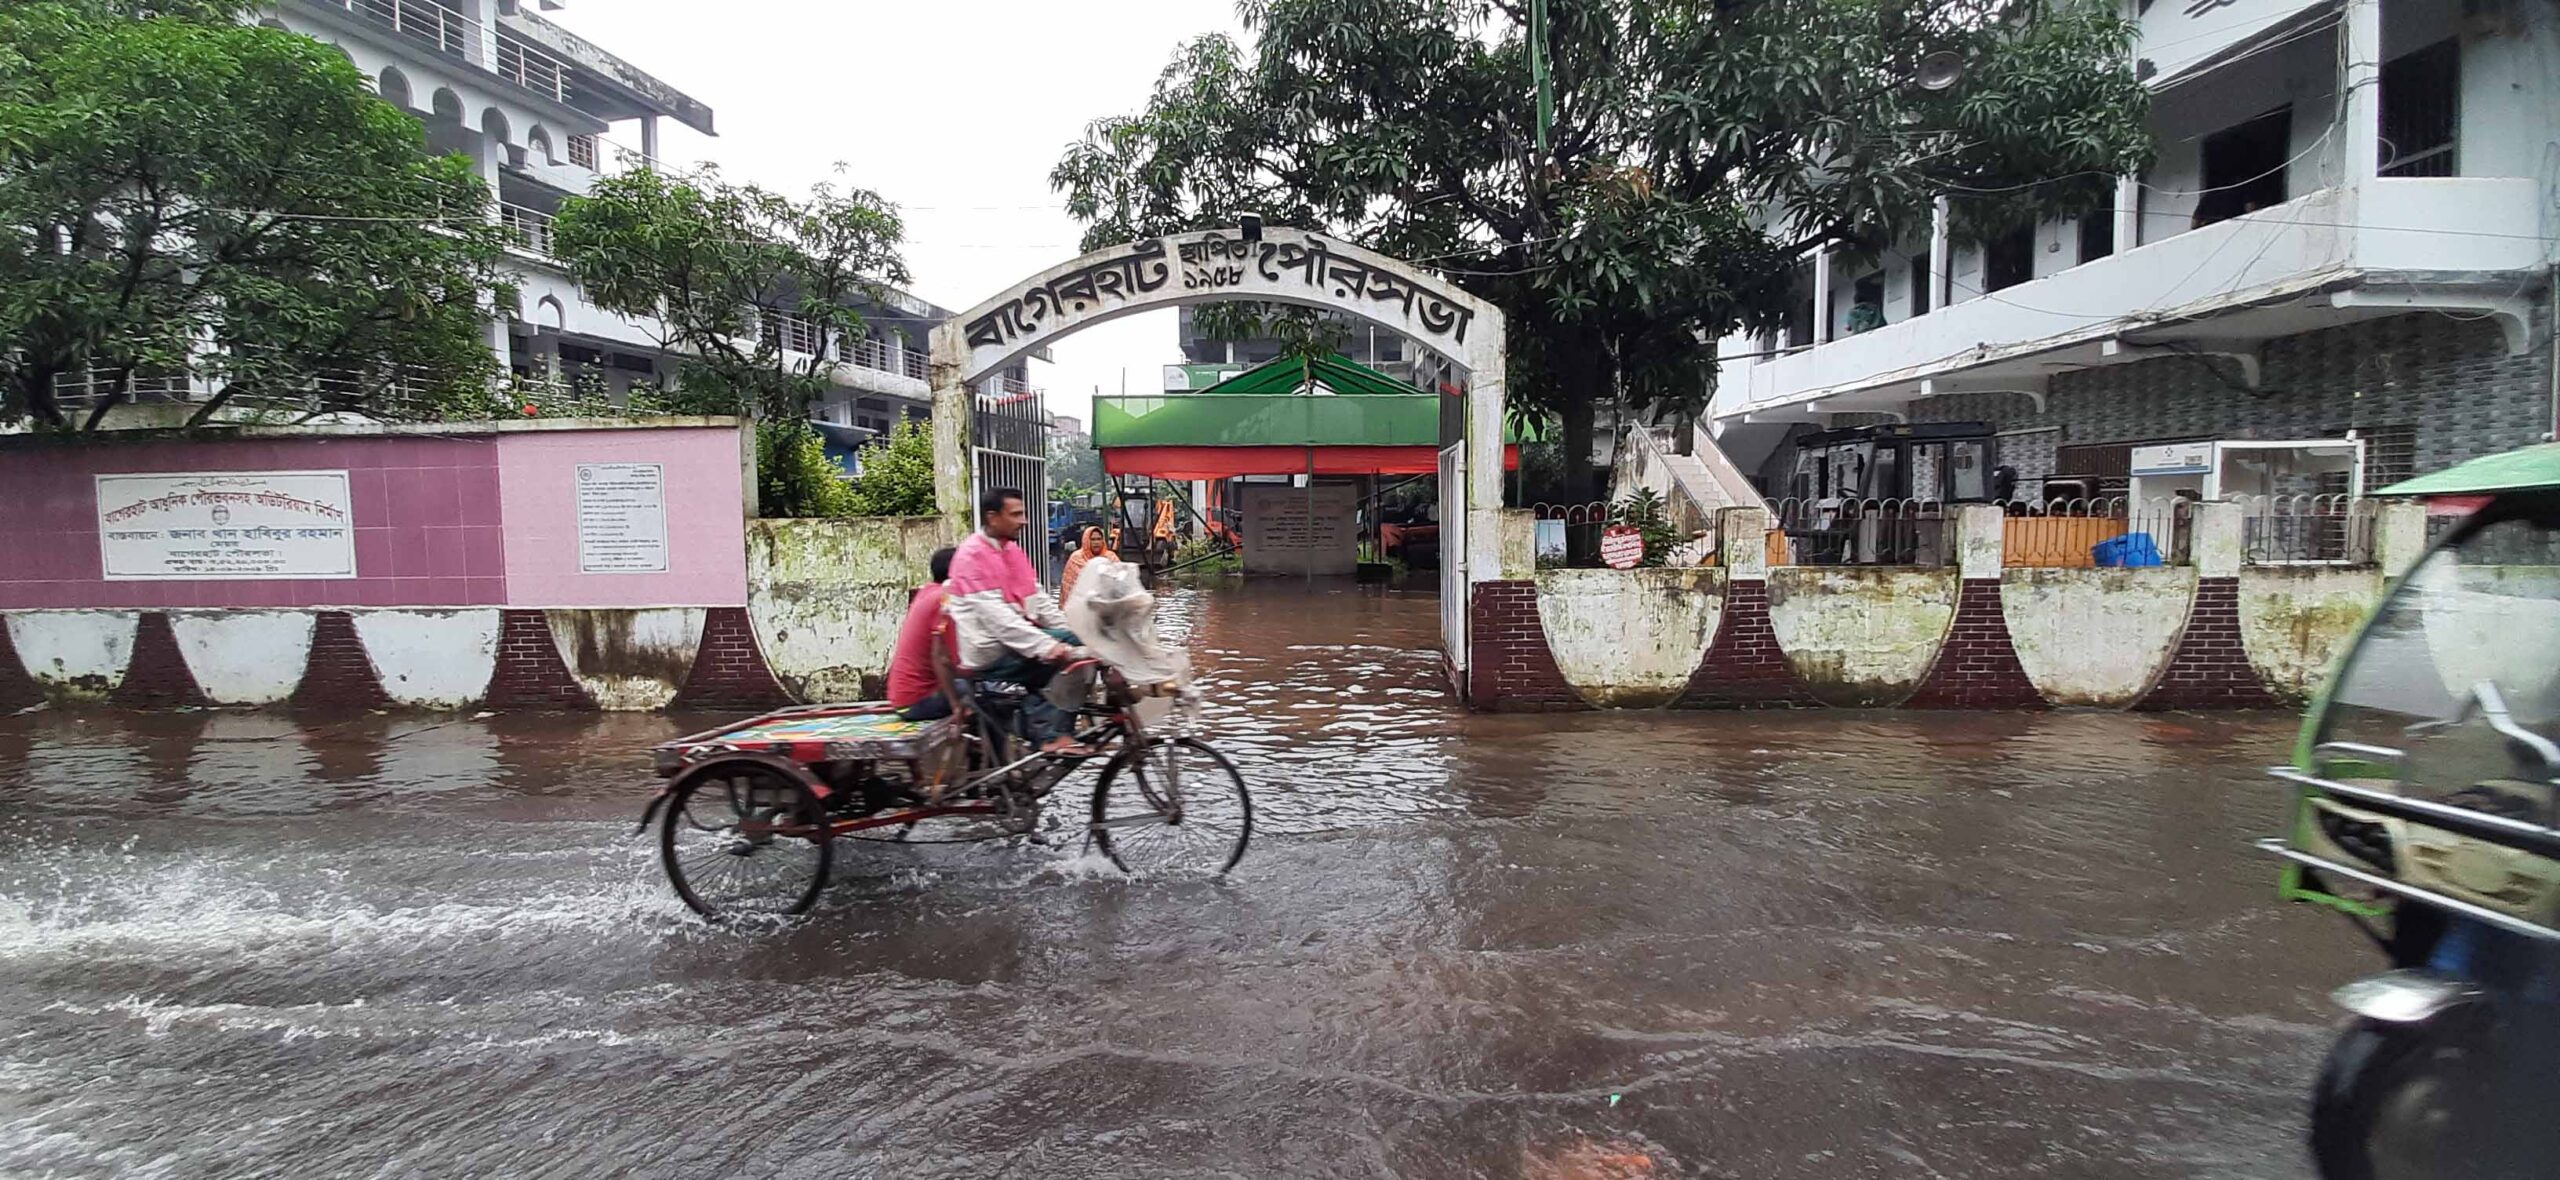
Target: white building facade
[(2350, 228), (544, 113)]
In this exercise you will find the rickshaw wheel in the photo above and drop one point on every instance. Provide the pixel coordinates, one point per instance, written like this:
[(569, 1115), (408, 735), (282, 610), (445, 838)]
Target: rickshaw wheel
[(744, 838), (1173, 807), (2401, 1101)]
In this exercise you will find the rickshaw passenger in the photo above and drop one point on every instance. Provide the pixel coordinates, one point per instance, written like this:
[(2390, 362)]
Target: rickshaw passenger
[(911, 684), (1011, 631), (1086, 550)]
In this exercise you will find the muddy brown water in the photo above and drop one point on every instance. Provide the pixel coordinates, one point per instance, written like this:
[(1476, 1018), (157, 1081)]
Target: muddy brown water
[(1828, 944)]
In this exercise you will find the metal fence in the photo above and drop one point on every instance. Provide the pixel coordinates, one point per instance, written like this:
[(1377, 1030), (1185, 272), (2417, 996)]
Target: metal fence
[(531, 228), (1010, 449), (870, 352), (2305, 530), (1863, 532), (431, 24), (2106, 530), (1582, 527)]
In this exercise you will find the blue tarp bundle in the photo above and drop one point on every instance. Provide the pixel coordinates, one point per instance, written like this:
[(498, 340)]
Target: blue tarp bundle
[(2131, 549)]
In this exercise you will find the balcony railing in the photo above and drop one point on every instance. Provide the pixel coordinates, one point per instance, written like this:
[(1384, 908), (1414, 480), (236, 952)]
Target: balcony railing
[(532, 67), (2388, 224), (426, 22), (530, 227), (787, 331), (1004, 390), (870, 353)]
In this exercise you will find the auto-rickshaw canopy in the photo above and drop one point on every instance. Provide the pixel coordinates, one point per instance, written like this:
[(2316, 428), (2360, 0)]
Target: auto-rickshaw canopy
[(2512, 471)]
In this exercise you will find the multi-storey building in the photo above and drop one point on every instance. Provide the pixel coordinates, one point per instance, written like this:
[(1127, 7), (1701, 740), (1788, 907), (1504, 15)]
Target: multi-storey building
[(2350, 228), (544, 113)]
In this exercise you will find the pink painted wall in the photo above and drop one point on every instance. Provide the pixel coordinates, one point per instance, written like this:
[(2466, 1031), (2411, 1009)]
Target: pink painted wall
[(706, 517), (425, 508)]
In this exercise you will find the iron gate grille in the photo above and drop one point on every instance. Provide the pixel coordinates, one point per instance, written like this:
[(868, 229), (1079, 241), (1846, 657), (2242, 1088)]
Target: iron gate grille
[(1010, 449)]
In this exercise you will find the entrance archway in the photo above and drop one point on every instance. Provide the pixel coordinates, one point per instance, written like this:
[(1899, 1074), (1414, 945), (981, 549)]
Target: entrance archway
[(1272, 265)]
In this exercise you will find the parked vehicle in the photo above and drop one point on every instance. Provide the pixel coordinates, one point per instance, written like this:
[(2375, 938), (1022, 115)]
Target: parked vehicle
[(2428, 813)]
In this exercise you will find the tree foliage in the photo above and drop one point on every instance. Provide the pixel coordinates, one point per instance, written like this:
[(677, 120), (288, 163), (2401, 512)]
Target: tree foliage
[(1701, 149), (897, 473), (1075, 467), (1303, 333), (794, 476), (182, 194), (709, 261)]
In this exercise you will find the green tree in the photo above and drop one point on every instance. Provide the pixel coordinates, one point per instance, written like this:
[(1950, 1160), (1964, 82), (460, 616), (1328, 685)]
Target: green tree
[(1075, 467), (754, 288), (794, 476), (1700, 150), (1302, 332), (182, 194), (897, 473)]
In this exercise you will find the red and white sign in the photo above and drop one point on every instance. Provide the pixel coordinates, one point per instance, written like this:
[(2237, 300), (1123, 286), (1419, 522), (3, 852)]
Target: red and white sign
[(1621, 548)]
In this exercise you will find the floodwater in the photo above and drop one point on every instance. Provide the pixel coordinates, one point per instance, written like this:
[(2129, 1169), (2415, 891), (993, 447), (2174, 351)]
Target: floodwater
[(1720, 945)]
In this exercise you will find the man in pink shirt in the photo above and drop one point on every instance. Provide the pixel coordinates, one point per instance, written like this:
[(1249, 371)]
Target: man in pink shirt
[(1010, 629), (911, 684)]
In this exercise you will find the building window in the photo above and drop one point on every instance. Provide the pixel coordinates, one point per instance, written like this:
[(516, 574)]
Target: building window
[(2421, 103), (2097, 234), (2009, 259), (2390, 454), (1391, 349), (1800, 313), (2244, 167), (1920, 283), (1866, 303)]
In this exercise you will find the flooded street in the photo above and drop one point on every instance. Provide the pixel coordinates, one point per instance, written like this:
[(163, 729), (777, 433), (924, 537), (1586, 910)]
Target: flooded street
[(1825, 944)]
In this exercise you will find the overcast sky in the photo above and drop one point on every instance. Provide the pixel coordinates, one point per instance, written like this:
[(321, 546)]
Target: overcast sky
[(955, 111)]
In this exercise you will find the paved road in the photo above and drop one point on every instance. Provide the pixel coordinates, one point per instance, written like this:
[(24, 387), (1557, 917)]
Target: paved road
[(1793, 945)]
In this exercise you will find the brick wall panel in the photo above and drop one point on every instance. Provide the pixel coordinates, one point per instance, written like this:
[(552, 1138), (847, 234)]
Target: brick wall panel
[(18, 689), (157, 676), (1977, 667), (530, 673), (339, 674), (1743, 667), (2210, 668), (729, 670), (1512, 669)]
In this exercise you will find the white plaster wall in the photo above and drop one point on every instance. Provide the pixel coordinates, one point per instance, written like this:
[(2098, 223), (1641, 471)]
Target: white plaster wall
[(1861, 636), (431, 659), (75, 654), (2095, 636), (2296, 620), (250, 657), (2303, 74), (1629, 638), (826, 597), (629, 659)]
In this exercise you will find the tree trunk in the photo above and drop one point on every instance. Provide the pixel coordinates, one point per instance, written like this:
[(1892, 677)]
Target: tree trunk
[(35, 392), (1579, 413)]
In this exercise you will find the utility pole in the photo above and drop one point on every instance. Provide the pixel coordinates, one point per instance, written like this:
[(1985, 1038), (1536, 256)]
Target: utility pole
[(1541, 73)]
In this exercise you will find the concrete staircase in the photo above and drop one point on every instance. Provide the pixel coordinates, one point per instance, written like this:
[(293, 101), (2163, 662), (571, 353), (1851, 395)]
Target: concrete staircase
[(1694, 486)]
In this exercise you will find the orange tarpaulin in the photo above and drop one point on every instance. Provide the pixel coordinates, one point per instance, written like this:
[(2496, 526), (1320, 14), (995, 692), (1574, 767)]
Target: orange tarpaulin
[(1225, 462)]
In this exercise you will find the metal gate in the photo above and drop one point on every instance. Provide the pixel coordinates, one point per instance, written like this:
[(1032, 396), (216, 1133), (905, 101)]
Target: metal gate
[(1009, 448), (1453, 557)]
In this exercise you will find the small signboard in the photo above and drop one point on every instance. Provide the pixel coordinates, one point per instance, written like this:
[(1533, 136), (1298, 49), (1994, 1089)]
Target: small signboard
[(1621, 547), (2188, 458), (225, 526), (622, 518)]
